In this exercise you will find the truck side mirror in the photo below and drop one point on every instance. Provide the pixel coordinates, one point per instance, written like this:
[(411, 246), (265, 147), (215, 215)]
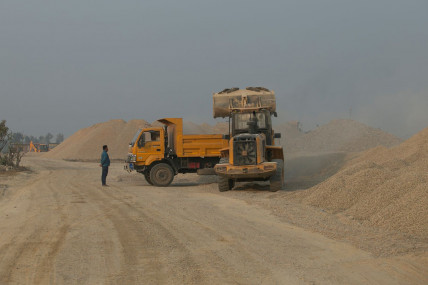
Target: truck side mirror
[(226, 137), (277, 135)]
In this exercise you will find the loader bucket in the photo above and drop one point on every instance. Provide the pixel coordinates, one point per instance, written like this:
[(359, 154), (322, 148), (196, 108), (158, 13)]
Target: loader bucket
[(242, 100)]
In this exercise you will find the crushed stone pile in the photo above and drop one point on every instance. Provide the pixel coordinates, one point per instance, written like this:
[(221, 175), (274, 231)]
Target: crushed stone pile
[(382, 187), (86, 144), (192, 128), (341, 135)]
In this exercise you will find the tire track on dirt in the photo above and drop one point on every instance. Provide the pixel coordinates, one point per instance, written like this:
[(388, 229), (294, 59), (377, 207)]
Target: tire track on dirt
[(148, 248), (45, 267), (19, 246), (42, 243)]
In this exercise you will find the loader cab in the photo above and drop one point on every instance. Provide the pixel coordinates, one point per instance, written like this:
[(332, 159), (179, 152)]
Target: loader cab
[(43, 147), (256, 122)]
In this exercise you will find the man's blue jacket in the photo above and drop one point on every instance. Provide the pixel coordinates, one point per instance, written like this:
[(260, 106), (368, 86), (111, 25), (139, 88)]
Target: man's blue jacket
[(105, 160)]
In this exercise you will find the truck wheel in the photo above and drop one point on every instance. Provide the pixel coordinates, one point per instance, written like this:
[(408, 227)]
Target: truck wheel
[(277, 180), (147, 176), (225, 184), (161, 175)]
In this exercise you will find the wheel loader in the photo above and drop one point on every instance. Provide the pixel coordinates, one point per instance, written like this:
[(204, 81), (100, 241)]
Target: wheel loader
[(251, 154)]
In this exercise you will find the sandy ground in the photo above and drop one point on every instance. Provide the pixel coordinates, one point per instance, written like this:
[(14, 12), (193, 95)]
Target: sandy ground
[(59, 226)]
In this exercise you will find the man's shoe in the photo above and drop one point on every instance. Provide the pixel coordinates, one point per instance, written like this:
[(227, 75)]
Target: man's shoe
[(105, 185)]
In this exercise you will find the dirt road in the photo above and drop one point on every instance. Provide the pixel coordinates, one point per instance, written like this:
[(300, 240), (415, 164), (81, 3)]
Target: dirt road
[(59, 226)]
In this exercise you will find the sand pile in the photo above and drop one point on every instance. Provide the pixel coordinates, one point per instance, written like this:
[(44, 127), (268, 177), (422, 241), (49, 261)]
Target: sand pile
[(86, 144), (290, 130), (192, 128), (382, 187), (337, 136)]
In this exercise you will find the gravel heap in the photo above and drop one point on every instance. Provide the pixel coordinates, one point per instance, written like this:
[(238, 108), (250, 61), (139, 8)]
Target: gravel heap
[(382, 187), (86, 144), (340, 135), (192, 128)]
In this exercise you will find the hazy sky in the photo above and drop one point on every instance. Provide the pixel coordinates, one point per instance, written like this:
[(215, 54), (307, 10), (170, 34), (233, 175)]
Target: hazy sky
[(65, 65)]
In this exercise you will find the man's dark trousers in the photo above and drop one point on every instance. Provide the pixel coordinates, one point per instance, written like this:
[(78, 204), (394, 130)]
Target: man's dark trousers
[(104, 175)]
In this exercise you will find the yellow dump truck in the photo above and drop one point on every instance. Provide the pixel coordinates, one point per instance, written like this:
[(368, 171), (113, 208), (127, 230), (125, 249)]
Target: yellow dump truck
[(160, 153)]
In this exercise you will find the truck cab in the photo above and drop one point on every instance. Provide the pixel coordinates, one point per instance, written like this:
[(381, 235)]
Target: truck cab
[(148, 145)]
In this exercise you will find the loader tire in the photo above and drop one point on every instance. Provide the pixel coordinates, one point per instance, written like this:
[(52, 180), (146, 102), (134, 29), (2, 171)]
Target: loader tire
[(161, 175), (277, 180), (224, 183), (147, 176)]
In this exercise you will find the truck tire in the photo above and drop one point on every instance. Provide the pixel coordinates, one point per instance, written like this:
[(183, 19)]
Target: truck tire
[(277, 180), (161, 175), (147, 176), (224, 183)]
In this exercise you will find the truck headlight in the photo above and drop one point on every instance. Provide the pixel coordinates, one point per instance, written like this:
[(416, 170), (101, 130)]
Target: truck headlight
[(132, 158)]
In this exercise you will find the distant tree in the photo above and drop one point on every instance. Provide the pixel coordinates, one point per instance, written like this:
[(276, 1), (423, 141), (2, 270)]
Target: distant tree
[(13, 154), (34, 139), (48, 138), (4, 131), (41, 139), (27, 139), (59, 138), (17, 137), (10, 153)]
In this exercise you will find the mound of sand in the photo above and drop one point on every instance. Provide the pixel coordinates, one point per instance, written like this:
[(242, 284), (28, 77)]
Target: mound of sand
[(382, 187), (86, 144), (192, 128), (340, 135)]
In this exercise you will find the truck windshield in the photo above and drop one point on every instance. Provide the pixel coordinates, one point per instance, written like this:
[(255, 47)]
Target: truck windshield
[(147, 137), (134, 139)]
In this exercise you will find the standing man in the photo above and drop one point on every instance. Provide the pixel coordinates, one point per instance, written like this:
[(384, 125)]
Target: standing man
[(105, 163)]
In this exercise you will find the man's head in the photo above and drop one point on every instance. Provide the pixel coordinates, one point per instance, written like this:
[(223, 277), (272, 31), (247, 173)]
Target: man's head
[(105, 147)]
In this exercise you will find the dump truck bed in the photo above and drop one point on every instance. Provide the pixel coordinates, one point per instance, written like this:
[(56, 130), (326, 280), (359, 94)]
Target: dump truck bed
[(192, 145), (201, 145)]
